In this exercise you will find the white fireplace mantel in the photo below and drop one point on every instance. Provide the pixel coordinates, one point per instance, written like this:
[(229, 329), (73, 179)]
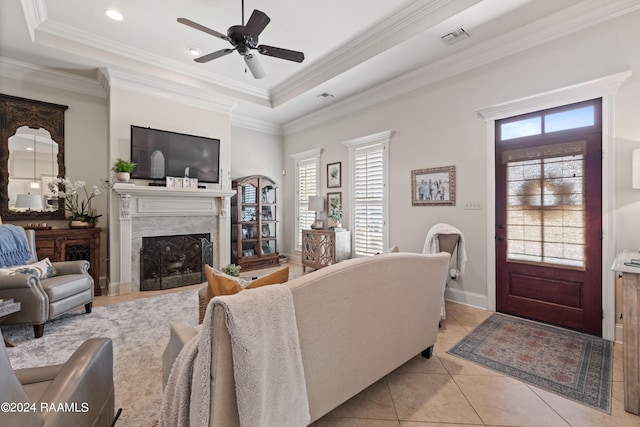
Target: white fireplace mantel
[(151, 201)]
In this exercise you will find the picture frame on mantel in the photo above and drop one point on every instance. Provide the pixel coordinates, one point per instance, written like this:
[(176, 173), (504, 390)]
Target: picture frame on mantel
[(334, 175), (433, 186)]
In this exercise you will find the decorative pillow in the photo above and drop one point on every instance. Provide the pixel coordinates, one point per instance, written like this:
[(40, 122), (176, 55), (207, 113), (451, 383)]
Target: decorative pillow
[(278, 276), (43, 269), (222, 284)]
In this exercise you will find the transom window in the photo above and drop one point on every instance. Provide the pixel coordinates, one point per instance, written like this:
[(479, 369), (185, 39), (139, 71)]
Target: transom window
[(548, 123)]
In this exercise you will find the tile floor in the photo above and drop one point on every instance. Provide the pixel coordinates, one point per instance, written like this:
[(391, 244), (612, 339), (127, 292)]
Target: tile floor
[(446, 391)]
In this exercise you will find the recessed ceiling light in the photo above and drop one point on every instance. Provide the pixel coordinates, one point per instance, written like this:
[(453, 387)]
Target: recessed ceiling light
[(194, 50), (114, 14)]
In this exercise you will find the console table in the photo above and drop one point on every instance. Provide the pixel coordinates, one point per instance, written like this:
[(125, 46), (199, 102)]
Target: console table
[(72, 244), (631, 327), (321, 248)]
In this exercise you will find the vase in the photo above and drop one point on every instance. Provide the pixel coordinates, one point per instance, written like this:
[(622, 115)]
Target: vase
[(123, 176), (81, 224)]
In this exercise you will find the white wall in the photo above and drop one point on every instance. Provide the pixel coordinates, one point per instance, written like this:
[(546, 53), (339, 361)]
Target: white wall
[(439, 126)]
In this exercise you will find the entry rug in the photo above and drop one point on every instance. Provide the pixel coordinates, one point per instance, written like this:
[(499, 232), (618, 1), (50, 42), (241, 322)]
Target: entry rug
[(571, 364), (140, 332)]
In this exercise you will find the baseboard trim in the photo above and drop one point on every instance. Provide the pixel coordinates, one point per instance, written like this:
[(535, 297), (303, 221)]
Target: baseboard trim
[(618, 333), (467, 298)]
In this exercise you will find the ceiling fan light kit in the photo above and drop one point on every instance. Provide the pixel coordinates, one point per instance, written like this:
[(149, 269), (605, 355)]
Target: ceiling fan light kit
[(254, 66), (244, 39)]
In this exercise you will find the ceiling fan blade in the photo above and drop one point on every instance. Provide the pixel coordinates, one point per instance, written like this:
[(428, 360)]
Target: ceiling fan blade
[(256, 24), (278, 52), (254, 66), (197, 26), (213, 55)]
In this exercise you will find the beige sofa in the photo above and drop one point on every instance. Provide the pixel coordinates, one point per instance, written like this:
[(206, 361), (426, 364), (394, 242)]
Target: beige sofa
[(357, 321)]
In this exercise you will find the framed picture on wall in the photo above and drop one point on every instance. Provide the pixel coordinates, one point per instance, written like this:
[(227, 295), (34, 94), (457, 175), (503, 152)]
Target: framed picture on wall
[(334, 206), (434, 186), (334, 175)]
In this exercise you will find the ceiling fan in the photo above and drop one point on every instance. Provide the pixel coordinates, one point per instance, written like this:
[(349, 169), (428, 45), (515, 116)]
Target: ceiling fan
[(244, 39)]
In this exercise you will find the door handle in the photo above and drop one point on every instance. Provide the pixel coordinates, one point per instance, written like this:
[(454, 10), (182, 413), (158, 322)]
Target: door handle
[(500, 237)]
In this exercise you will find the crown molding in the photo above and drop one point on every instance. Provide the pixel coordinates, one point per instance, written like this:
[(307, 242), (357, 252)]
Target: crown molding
[(408, 21), (578, 17), (22, 71), (35, 13), (151, 85), (256, 124)]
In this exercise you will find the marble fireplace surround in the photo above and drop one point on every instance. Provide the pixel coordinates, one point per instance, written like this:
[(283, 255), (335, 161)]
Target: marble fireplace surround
[(147, 211)]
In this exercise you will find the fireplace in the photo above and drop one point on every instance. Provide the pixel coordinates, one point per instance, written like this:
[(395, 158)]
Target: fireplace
[(173, 261), (148, 211)]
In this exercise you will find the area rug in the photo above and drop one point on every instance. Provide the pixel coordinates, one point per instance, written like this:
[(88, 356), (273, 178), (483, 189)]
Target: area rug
[(139, 330), (568, 363)]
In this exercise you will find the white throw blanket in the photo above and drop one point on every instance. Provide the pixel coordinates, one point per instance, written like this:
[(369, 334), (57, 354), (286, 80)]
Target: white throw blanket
[(432, 246), (268, 371)]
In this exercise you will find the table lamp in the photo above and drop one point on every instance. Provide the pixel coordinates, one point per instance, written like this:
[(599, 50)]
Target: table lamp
[(316, 203), (30, 202)]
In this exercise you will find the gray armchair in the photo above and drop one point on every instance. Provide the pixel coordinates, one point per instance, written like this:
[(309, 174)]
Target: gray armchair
[(83, 385), (44, 299)]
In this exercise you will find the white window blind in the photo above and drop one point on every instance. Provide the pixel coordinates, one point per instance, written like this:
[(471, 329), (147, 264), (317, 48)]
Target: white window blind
[(306, 185), (369, 199)]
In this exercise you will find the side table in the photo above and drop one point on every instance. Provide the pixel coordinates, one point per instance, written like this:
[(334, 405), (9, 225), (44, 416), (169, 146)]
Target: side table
[(625, 266), (8, 307), (321, 248), (71, 244)]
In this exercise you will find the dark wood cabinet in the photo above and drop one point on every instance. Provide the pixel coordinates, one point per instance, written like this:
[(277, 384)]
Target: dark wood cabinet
[(254, 222), (72, 244)]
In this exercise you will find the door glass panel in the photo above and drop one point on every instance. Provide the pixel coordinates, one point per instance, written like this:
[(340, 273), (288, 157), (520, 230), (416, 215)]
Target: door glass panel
[(545, 209)]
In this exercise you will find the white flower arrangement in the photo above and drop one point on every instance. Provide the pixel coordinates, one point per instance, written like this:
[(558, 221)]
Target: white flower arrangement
[(80, 209)]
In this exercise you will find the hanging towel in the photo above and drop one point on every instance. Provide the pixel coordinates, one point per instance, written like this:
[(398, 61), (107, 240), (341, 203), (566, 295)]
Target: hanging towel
[(431, 243)]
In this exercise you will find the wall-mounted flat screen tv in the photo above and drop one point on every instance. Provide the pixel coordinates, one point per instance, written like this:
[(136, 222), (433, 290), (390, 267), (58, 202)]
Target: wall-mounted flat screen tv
[(158, 154)]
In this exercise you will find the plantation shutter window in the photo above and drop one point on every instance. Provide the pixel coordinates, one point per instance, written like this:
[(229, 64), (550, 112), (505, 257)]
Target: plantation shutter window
[(369, 198)]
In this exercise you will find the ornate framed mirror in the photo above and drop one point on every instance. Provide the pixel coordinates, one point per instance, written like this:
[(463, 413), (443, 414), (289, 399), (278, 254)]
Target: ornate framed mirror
[(31, 156)]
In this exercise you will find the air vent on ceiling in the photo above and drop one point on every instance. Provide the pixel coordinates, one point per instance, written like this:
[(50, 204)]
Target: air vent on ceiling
[(455, 36), (324, 96)]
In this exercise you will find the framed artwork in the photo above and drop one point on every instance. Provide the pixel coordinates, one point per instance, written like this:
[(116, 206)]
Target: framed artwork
[(334, 206), (434, 186), (334, 175)]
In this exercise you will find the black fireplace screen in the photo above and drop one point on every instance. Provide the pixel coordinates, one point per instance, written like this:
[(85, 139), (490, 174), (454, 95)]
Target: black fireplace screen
[(173, 261)]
